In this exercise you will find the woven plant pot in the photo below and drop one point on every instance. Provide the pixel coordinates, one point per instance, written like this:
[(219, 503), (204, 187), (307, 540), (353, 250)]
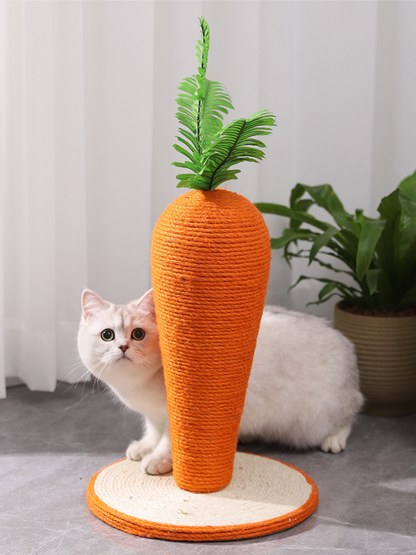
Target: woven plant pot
[(210, 262), (386, 352)]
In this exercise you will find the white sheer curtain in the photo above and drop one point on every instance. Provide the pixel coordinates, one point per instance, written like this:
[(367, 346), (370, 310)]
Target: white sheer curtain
[(87, 93)]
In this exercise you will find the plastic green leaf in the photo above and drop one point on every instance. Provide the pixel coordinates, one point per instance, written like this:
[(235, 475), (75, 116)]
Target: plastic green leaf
[(211, 148)]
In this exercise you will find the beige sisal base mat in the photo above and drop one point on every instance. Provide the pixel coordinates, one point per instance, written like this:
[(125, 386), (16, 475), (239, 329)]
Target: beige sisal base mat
[(263, 497)]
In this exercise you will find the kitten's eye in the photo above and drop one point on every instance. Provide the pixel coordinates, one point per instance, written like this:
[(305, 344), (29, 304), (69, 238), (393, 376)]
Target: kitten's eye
[(138, 334), (107, 335)]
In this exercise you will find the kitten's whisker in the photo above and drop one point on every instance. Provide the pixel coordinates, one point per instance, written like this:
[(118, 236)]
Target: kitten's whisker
[(75, 384), (98, 380), (86, 373), (75, 367), (90, 372), (83, 378)]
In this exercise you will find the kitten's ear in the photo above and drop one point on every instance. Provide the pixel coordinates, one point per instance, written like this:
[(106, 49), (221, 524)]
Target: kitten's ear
[(146, 302), (92, 304)]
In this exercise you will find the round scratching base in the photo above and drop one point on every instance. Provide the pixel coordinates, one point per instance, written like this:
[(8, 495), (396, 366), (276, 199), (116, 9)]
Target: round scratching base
[(264, 496)]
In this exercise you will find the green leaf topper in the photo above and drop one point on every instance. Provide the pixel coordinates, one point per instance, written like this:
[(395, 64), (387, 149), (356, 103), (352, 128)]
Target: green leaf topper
[(211, 149)]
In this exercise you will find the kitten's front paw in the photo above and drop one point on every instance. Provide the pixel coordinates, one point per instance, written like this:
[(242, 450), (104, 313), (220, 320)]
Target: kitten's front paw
[(137, 450), (155, 465)]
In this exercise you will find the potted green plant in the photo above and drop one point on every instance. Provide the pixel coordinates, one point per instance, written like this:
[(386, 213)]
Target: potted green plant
[(378, 296)]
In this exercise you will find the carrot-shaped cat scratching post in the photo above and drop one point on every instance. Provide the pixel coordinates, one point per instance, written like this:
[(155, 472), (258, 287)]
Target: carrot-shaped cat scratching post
[(210, 262), (210, 266)]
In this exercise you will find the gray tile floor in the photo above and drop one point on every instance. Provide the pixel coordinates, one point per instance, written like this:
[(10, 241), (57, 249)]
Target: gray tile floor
[(52, 443)]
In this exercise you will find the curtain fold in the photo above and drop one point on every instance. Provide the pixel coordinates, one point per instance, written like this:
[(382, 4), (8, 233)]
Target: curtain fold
[(87, 104), (29, 197)]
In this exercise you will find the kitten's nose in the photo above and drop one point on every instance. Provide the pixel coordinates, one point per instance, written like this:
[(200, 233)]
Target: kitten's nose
[(124, 348)]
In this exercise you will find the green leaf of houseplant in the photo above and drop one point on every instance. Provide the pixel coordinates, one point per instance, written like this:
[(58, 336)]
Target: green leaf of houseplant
[(380, 254), (281, 210), (345, 291), (396, 249), (292, 235), (408, 209), (372, 280), (407, 199), (408, 185), (321, 241), (325, 197), (409, 298), (370, 234)]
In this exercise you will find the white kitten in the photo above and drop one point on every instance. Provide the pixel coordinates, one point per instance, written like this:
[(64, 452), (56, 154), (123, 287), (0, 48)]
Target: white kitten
[(120, 345), (303, 388)]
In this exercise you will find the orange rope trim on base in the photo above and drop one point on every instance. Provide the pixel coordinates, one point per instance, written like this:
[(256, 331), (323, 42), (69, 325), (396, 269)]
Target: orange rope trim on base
[(147, 529)]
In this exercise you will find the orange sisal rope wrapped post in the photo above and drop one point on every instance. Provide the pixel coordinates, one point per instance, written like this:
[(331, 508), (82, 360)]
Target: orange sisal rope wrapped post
[(210, 264)]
